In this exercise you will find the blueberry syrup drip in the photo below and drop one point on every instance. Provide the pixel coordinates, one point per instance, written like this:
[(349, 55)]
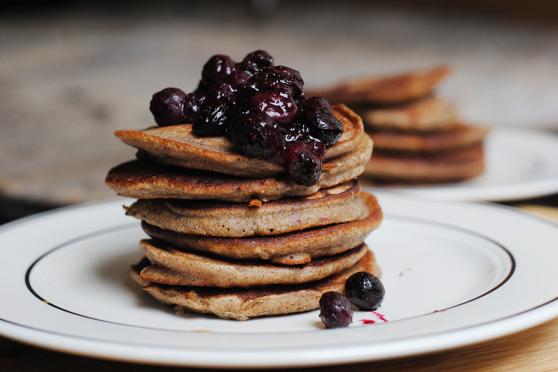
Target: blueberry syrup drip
[(380, 316), (261, 108), (372, 321), (367, 321)]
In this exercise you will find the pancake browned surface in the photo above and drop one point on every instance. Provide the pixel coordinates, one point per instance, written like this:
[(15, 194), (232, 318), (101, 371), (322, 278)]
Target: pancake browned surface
[(176, 145), (146, 180), (455, 165), (385, 89), (461, 135), (288, 249), (336, 205), (177, 267), (243, 304), (423, 115)]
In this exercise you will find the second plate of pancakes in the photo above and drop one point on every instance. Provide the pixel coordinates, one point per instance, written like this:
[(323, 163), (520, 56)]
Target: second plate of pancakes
[(520, 164), (423, 147)]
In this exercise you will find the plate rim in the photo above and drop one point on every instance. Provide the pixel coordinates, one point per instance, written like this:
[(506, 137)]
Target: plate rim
[(28, 272)]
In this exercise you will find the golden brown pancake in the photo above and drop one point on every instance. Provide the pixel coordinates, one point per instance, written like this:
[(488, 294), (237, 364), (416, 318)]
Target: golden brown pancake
[(461, 135), (243, 304), (146, 180), (272, 218), (456, 165), (296, 248), (427, 114), (385, 89), (176, 145), (177, 267)]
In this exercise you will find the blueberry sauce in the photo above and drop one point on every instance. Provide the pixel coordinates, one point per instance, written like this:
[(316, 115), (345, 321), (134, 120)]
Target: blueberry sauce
[(261, 108)]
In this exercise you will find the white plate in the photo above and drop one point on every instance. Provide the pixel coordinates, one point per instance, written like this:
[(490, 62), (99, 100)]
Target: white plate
[(455, 274), (520, 164)]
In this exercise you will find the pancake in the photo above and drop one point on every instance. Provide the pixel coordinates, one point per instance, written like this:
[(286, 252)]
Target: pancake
[(176, 267), (176, 145), (232, 220), (288, 249), (426, 114), (243, 304), (459, 136), (146, 180), (454, 165), (385, 89)]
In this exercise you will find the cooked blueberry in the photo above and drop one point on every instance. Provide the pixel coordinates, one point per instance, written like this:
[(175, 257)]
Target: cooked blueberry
[(215, 111), (238, 80), (275, 106), (280, 79), (304, 161), (365, 290), (335, 310), (216, 69), (256, 135), (167, 106), (192, 105), (259, 107), (296, 131), (316, 113), (256, 61)]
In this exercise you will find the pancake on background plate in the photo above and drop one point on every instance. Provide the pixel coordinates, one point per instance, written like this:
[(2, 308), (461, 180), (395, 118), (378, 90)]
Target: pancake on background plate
[(418, 137)]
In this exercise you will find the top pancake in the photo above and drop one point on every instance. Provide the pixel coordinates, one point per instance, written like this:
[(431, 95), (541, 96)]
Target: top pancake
[(385, 89), (427, 114), (176, 145), (147, 180)]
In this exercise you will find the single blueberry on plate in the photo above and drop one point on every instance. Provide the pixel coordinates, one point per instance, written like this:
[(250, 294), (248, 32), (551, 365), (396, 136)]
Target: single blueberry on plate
[(365, 290), (335, 310)]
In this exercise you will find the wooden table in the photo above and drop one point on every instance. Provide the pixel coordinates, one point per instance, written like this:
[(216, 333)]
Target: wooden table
[(532, 350)]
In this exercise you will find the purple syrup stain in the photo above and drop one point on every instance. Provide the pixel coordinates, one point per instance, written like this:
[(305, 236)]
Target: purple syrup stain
[(367, 321), (380, 316)]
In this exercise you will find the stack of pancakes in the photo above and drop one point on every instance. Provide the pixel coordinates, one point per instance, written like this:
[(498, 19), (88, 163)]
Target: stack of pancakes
[(418, 137), (231, 235)]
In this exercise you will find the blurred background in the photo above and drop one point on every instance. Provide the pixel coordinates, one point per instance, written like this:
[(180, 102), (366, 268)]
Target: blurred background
[(71, 72)]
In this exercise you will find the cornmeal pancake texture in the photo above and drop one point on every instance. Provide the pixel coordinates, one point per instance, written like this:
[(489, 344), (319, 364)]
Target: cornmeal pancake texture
[(176, 145), (294, 248), (343, 203), (246, 303), (148, 180)]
